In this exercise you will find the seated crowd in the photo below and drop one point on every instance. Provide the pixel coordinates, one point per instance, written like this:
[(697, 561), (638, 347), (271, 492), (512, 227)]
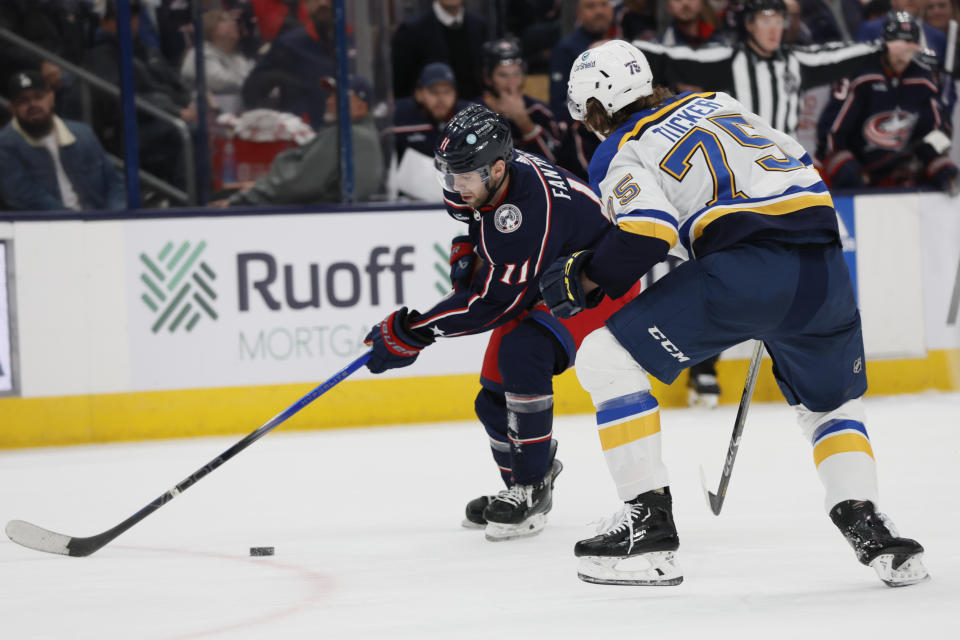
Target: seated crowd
[(891, 65)]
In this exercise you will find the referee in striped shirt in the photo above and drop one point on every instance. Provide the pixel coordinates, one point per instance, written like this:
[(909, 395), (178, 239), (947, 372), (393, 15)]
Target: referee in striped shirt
[(762, 73)]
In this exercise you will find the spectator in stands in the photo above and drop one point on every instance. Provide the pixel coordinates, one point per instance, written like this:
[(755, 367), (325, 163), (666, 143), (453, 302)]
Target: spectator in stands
[(226, 67), (635, 20), (49, 163), (174, 25), (63, 28), (288, 77), (161, 149), (795, 30), (594, 24), (832, 20), (419, 119), (883, 127), (311, 174), (762, 73), (939, 13), (279, 16), (532, 124), (446, 33), (692, 24), (537, 25)]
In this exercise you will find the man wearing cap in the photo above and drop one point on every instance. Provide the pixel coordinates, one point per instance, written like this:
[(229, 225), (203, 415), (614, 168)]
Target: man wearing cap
[(311, 174), (419, 119), (883, 127), (50, 163)]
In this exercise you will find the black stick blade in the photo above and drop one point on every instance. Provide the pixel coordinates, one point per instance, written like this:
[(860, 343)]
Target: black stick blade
[(716, 502), (38, 538)]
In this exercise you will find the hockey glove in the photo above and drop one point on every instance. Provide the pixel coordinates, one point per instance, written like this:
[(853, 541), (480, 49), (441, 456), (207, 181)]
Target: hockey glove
[(462, 261), (562, 289), (947, 180), (394, 343)]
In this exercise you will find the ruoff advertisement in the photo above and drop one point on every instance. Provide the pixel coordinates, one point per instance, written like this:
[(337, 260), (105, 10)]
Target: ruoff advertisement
[(244, 301)]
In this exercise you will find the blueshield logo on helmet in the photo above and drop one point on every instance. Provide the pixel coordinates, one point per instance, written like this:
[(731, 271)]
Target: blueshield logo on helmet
[(617, 74), (507, 218)]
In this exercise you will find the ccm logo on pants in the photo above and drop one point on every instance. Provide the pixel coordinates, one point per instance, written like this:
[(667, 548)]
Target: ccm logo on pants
[(666, 344)]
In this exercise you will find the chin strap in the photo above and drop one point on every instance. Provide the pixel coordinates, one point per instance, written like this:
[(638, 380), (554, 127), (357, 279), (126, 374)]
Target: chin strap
[(493, 190)]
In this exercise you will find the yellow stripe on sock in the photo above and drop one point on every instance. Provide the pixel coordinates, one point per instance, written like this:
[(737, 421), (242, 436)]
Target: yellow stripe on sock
[(626, 432), (842, 443)]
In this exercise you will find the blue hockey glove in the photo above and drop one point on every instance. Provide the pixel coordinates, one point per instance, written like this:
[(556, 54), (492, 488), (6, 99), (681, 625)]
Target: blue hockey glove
[(462, 261), (562, 290), (394, 343)]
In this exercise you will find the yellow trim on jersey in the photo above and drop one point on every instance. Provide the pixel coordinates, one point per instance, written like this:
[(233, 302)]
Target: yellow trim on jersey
[(841, 443), (629, 431), (659, 112), (659, 230), (780, 208)]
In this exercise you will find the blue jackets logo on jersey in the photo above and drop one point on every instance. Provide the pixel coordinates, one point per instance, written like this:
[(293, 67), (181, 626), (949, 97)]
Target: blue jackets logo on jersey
[(889, 129), (507, 218)]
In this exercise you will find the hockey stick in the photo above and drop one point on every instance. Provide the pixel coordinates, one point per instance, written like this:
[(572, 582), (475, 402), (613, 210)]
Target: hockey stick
[(34, 537), (716, 499)]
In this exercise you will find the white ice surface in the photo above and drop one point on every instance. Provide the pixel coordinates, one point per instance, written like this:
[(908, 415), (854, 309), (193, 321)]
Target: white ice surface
[(366, 524)]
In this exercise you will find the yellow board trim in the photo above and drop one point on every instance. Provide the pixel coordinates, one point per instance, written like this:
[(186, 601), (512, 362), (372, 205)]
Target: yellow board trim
[(841, 443), (656, 230), (774, 209), (67, 420), (630, 431)]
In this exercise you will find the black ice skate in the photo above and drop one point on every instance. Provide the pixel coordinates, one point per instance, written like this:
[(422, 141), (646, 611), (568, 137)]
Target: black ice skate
[(474, 513), (703, 390), (519, 511), (898, 561), (636, 547)]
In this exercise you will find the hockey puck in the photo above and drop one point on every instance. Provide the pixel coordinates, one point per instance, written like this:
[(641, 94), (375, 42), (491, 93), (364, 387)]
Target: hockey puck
[(261, 551)]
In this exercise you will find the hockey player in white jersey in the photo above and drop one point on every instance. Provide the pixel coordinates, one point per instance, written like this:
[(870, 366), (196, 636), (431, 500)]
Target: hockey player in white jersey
[(744, 201)]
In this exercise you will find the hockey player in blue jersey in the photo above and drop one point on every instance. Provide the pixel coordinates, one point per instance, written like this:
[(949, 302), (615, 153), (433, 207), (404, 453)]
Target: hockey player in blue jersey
[(743, 199), (884, 127), (522, 213)]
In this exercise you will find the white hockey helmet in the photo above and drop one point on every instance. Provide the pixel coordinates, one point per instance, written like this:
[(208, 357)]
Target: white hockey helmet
[(616, 73)]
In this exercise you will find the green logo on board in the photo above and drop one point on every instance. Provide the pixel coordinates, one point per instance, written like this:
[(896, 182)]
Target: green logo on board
[(179, 286)]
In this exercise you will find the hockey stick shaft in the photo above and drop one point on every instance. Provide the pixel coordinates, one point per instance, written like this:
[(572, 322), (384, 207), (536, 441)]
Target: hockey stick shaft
[(34, 537), (716, 499)]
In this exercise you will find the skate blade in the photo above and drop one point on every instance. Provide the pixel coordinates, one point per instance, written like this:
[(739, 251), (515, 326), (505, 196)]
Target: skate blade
[(469, 524), (657, 569), (911, 571), (702, 401), (497, 532)]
